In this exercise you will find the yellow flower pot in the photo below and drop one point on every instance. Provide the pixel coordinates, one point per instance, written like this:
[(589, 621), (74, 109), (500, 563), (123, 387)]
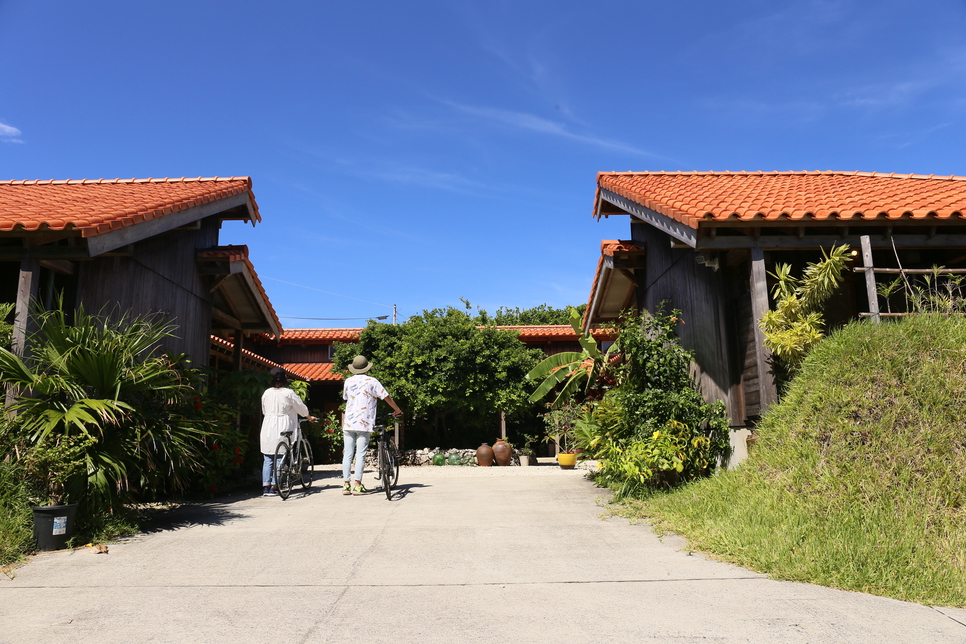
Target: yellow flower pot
[(567, 461)]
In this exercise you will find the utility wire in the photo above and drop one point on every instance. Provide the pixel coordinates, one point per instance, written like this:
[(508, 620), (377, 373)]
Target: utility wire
[(388, 306), (290, 317)]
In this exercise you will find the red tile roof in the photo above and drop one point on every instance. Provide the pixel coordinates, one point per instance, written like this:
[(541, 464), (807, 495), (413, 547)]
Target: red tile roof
[(99, 206), (225, 345), (313, 371), (320, 336), (238, 254), (556, 332), (608, 247), (693, 197)]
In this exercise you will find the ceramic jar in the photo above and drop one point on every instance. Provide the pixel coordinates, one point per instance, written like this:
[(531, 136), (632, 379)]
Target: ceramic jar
[(503, 453), (484, 455)]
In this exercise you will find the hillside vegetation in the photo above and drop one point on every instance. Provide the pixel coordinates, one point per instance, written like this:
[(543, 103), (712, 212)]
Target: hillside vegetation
[(857, 480)]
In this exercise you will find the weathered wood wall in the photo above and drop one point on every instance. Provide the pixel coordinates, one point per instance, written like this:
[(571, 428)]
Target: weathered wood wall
[(673, 276), (159, 276)]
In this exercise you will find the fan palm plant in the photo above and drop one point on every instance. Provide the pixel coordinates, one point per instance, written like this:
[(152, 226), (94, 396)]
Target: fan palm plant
[(105, 385)]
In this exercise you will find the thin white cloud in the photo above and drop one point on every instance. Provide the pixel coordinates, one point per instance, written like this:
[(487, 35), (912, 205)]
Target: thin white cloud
[(10, 134), (412, 175), (540, 125), (884, 95)]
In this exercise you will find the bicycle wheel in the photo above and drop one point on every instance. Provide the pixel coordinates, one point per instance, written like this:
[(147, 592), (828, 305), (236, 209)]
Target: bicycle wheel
[(283, 470), (307, 470), (393, 456)]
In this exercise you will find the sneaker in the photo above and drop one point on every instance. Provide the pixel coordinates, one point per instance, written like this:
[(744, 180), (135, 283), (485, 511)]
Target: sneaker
[(346, 489), (267, 491), (359, 490)]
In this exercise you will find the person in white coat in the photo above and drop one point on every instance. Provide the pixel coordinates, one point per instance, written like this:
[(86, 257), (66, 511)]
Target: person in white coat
[(281, 408)]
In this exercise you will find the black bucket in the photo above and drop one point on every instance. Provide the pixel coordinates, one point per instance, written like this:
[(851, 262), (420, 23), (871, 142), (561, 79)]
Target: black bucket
[(53, 525)]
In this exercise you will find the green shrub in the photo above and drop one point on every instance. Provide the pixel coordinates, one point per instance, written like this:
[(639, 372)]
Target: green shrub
[(653, 429), (856, 481)]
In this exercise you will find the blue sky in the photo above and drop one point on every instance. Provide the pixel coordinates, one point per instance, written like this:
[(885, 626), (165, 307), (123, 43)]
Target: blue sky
[(415, 153)]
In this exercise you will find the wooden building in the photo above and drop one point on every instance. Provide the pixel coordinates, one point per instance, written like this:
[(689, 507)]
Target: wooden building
[(704, 243), (137, 246)]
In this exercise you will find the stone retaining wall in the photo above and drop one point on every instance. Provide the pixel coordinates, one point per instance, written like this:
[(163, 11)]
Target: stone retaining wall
[(425, 457)]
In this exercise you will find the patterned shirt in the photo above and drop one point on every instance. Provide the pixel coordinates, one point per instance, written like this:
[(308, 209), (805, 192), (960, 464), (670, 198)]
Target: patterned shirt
[(361, 393)]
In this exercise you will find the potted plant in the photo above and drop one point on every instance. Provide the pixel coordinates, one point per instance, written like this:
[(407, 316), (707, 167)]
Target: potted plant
[(49, 468), (527, 455), (560, 422)]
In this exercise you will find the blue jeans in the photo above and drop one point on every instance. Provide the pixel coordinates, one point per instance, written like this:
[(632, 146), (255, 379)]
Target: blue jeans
[(268, 473), (355, 443)]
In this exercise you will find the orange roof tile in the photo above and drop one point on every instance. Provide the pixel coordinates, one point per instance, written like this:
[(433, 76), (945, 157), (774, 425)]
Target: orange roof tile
[(99, 206), (558, 332), (694, 197), (246, 354), (313, 371), (320, 336), (607, 249), (240, 253)]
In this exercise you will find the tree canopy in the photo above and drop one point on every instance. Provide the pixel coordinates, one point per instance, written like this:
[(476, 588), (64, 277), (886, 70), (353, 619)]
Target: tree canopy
[(537, 315), (451, 375)]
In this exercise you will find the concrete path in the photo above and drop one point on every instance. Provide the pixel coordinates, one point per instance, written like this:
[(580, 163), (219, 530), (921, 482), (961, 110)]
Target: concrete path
[(459, 555)]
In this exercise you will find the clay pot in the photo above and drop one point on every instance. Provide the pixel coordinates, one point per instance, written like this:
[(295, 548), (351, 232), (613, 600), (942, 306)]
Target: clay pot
[(567, 461), (503, 453), (484, 455)]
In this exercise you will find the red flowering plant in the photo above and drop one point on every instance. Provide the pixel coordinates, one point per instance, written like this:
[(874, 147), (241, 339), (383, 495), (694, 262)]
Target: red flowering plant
[(559, 422), (325, 436), (225, 445)]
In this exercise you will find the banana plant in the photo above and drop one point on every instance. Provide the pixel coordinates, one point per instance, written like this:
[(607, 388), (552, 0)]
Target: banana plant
[(570, 369)]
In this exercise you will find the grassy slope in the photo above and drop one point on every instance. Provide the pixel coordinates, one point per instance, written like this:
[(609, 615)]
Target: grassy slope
[(857, 481)]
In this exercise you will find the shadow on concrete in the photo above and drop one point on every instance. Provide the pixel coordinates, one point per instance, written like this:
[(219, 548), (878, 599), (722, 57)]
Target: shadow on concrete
[(402, 491), (211, 513)]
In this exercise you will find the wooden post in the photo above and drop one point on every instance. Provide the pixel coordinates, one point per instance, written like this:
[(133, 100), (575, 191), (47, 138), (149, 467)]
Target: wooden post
[(28, 287), (870, 279), (237, 351), (767, 390), (503, 425)]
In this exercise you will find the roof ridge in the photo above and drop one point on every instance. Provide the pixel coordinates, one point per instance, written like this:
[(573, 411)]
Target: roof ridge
[(60, 182), (855, 173)]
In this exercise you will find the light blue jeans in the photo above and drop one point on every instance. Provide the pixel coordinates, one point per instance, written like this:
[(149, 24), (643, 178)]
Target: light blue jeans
[(267, 474), (356, 444)]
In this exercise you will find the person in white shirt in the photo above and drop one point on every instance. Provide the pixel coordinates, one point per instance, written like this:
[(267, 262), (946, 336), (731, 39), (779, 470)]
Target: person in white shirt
[(281, 408), (361, 393)]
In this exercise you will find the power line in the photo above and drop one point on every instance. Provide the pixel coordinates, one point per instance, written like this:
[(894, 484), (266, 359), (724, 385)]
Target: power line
[(311, 288), (290, 317)]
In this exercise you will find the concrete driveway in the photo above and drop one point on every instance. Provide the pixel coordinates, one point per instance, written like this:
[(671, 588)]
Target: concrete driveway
[(459, 555)]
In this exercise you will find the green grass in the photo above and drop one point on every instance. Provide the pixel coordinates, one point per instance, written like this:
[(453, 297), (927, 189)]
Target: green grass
[(858, 480), (16, 522)]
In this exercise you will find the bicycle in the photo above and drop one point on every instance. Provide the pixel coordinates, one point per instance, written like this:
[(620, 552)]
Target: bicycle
[(285, 474), (387, 460)]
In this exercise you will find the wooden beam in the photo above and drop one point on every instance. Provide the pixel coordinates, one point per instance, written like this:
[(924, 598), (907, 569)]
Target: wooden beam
[(105, 242), (675, 229), (783, 242), (767, 390), (224, 319), (45, 252), (61, 266)]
